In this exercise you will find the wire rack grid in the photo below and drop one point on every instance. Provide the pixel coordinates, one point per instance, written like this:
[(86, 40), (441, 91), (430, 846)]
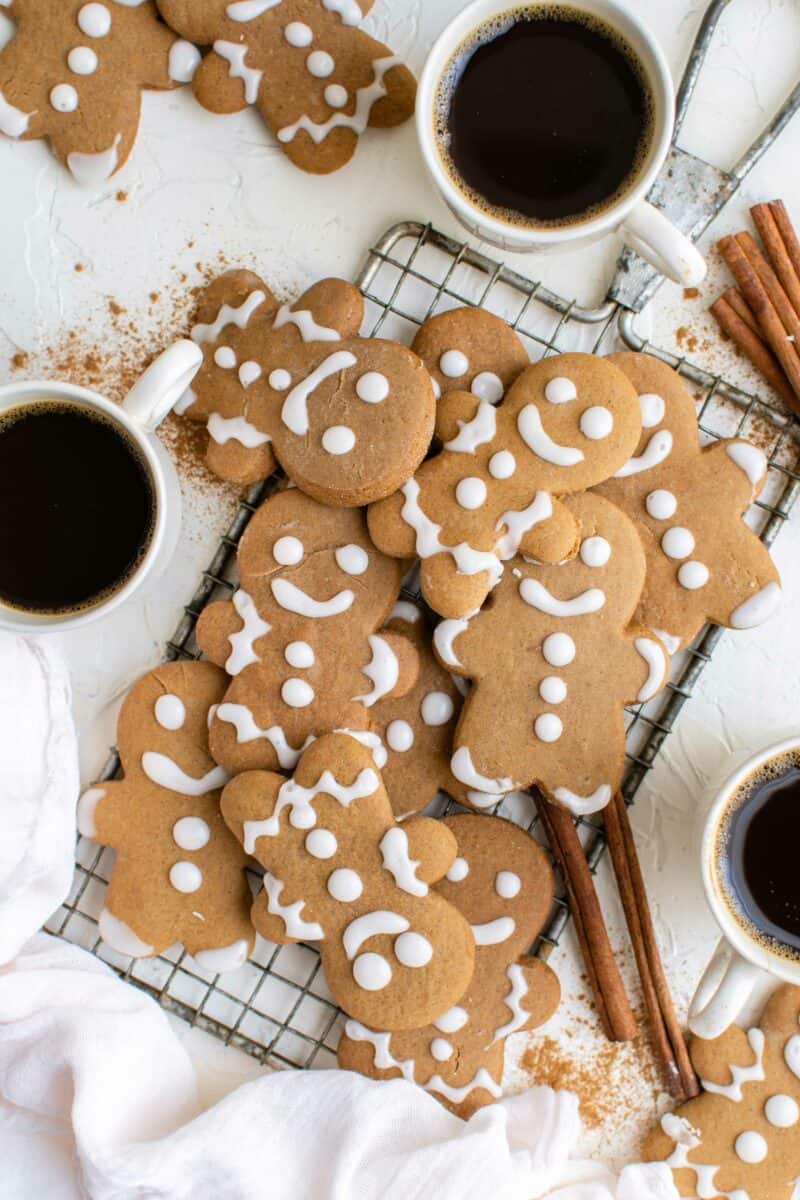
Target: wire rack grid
[(277, 1007)]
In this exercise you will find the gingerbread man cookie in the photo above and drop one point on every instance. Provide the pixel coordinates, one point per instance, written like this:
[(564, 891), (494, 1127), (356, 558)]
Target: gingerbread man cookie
[(567, 423), (471, 350), (342, 872), (302, 638), (348, 418), (73, 73), (316, 78), (741, 1138), (502, 883), (703, 563), (554, 661), (179, 874)]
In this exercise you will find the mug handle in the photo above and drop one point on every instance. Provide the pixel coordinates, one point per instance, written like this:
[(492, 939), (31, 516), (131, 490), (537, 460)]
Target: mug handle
[(155, 393), (652, 235), (725, 987)]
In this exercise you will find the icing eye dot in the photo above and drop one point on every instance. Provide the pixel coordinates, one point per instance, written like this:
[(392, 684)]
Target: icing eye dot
[(413, 950), (400, 736), (441, 1049), (502, 465), (249, 372), (553, 690), (82, 60), (661, 505), (297, 693), (372, 387), (548, 727), (453, 364), (338, 440), (471, 493), (454, 1019), (288, 551), (191, 833), (488, 386), (782, 1111), (596, 423), (279, 380), (653, 409), (693, 575), (437, 708), (595, 552), (170, 712), (458, 871), (320, 64), (185, 877), (297, 33), (64, 98), (335, 95), (560, 390), (225, 357), (353, 560), (507, 884), (94, 20), (372, 972), (677, 542), (321, 843), (299, 655), (558, 649), (345, 885), (750, 1147)]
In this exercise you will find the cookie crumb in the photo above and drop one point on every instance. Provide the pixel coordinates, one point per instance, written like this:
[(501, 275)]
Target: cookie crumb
[(122, 197), (691, 293), (79, 267), (19, 361)]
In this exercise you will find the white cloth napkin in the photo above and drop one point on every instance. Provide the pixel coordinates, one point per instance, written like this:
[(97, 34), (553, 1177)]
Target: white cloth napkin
[(93, 1062)]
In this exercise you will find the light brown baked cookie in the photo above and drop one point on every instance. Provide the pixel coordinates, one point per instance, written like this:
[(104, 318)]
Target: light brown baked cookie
[(502, 883), (703, 562), (567, 423), (316, 78), (348, 418), (342, 872), (470, 350), (553, 661), (741, 1138), (179, 872)]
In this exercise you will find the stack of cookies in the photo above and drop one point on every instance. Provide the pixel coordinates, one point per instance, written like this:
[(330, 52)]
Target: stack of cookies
[(569, 533)]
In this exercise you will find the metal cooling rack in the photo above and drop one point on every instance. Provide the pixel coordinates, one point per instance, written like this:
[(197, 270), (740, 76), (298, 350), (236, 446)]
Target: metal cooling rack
[(277, 1007)]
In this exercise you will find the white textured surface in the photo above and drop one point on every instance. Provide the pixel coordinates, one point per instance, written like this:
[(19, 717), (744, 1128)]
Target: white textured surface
[(198, 185)]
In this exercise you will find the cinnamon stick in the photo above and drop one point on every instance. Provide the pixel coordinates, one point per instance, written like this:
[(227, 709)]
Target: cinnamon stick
[(777, 252), (739, 305), (668, 1040), (772, 285), (731, 320), (613, 1006), (787, 232)]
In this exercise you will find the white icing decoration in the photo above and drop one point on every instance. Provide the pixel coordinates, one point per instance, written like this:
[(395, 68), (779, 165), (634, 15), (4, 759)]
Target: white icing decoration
[(661, 505), (459, 871), (678, 542), (477, 432), (441, 1049), (234, 54), (462, 767), (120, 937), (596, 423), (242, 653), (288, 551), (502, 465), (297, 693), (64, 98), (536, 595), (372, 972), (558, 649), (548, 727), (453, 364), (749, 459), (653, 654), (370, 925), (299, 655), (279, 380), (653, 409), (372, 387), (13, 121), (757, 609), (373, 743), (791, 1054), (338, 439), (404, 610), (751, 1147), (655, 452), (672, 644), (86, 808), (167, 774), (303, 320), (348, 11), (413, 950), (553, 690), (336, 96), (471, 493), (184, 59), (320, 64), (82, 60), (248, 10), (228, 315), (186, 877), (290, 914), (741, 1075), (191, 833), (513, 1002), (170, 712), (488, 386), (298, 34), (437, 708), (560, 390), (93, 169), (693, 575), (298, 799), (454, 1019), (237, 429), (782, 1111), (517, 524), (399, 736), (212, 712), (295, 600), (353, 560), (507, 884), (532, 432), (383, 669), (467, 560), (249, 372), (595, 551), (365, 98), (445, 634), (248, 731), (321, 843), (397, 861), (295, 407), (583, 806), (345, 885), (222, 958), (94, 20), (492, 933)]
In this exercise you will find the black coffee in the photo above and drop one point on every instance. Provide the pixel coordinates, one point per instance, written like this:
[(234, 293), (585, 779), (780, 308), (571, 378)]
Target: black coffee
[(76, 508), (763, 838), (544, 116)]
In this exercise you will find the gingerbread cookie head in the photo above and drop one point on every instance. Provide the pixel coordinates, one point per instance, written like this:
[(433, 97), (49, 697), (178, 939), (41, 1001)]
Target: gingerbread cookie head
[(741, 1138), (704, 564), (567, 423), (316, 78), (470, 350), (347, 418), (73, 73), (342, 872), (302, 636), (554, 661), (501, 882), (179, 872)]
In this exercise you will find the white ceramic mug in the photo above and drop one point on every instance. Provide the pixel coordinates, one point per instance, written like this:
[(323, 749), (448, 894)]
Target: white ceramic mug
[(740, 959), (644, 228), (141, 412)]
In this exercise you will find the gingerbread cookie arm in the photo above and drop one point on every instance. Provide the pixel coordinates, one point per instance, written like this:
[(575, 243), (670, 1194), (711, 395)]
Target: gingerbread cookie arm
[(153, 61), (540, 997), (554, 540), (104, 808), (425, 852), (229, 631), (224, 83), (643, 667), (249, 802), (392, 670), (454, 413)]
